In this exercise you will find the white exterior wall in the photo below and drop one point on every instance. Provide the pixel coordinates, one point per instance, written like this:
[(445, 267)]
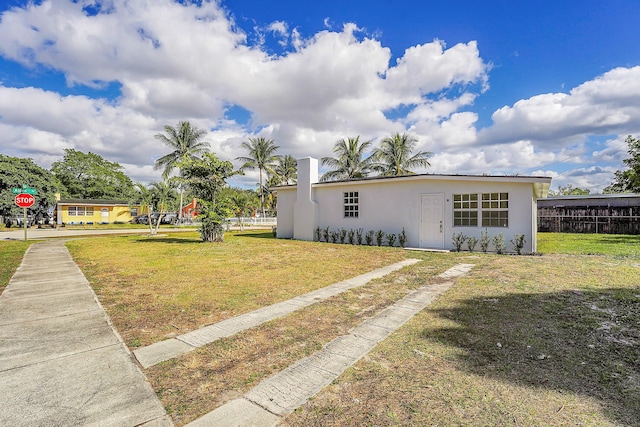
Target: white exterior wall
[(286, 200), (390, 206)]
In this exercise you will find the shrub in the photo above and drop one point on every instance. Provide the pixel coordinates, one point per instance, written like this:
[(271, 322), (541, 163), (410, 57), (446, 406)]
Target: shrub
[(318, 233), (498, 242), (402, 238), (458, 240), (351, 236), (274, 231), (484, 241), (391, 239), (359, 235), (326, 234), (369, 237), (379, 237), (334, 236), (518, 242), (471, 243), (343, 235)]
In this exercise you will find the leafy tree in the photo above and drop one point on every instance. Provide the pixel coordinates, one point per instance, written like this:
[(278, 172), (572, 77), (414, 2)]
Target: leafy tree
[(286, 170), (187, 144), (16, 172), (89, 176), (569, 190), (207, 178), (394, 156), (260, 155), (349, 162), (628, 181)]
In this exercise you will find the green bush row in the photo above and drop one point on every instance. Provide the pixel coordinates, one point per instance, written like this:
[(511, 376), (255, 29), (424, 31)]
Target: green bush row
[(359, 237), (499, 244)]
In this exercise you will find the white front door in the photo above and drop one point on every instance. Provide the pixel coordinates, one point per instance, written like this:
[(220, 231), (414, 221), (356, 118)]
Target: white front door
[(432, 221), (104, 215)]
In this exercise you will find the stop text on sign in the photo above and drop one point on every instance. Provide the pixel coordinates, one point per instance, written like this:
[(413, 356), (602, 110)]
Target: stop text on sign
[(25, 200)]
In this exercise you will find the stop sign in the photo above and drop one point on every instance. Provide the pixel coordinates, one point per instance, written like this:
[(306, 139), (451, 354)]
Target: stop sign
[(24, 200)]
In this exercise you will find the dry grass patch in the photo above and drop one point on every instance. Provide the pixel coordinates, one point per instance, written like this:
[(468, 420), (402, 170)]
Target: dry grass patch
[(524, 341), (156, 287)]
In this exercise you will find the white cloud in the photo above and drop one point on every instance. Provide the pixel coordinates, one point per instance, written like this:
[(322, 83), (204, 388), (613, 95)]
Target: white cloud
[(191, 62), (605, 105)]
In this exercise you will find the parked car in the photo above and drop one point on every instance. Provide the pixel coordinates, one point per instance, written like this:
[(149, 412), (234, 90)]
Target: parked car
[(169, 218), (20, 220), (142, 219)]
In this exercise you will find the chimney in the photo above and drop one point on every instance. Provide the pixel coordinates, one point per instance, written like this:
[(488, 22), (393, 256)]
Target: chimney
[(304, 214)]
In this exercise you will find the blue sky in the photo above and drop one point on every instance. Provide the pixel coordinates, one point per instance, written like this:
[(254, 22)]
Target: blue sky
[(501, 87)]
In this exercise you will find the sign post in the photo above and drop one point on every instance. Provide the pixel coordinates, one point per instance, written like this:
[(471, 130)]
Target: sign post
[(25, 201)]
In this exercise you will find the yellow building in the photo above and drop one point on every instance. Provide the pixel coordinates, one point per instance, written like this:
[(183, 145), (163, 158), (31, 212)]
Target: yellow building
[(80, 211)]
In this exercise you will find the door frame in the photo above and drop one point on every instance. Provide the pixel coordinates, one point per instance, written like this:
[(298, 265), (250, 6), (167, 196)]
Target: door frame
[(440, 244)]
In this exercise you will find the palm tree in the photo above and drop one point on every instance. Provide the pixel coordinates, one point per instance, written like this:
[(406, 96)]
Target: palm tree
[(349, 162), (186, 142), (145, 199), (260, 155), (161, 193), (286, 170), (393, 157)]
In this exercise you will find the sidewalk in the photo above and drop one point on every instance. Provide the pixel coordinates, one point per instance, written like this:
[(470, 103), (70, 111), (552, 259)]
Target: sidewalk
[(182, 344), (281, 394), (61, 362)]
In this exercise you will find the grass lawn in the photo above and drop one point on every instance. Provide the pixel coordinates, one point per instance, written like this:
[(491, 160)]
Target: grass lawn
[(590, 244), (11, 253), (527, 341)]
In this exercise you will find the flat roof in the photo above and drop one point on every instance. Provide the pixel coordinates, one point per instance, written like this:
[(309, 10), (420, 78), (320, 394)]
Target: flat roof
[(453, 177), (94, 202)]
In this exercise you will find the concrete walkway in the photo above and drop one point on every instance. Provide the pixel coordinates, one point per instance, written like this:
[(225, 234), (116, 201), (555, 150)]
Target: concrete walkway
[(61, 362), (174, 347), (284, 392)]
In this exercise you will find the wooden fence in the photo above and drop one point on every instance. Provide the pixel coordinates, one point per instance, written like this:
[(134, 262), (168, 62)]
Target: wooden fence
[(605, 220)]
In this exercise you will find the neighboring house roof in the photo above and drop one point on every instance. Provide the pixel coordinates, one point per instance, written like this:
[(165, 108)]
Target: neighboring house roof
[(542, 183), (591, 200), (93, 202)]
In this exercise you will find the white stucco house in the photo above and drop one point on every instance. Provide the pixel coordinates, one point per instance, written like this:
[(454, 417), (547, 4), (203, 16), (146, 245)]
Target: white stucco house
[(430, 208)]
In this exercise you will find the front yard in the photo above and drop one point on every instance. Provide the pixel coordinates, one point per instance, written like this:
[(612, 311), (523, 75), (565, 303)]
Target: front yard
[(521, 340)]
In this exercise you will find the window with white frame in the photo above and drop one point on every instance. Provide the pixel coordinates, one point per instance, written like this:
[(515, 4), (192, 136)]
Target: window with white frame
[(80, 211), (495, 209), (465, 210), (350, 204)]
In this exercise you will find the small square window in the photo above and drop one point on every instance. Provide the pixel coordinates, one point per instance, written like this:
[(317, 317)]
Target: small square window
[(350, 204)]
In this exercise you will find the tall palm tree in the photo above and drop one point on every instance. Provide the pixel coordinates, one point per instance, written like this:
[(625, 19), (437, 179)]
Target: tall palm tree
[(186, 142), (261, 156), (286, 170), (393, 157), (349, 162)]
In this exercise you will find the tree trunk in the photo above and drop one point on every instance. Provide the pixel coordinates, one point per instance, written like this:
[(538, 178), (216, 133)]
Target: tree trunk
[(261, 194), (181, 202), (212, 233)]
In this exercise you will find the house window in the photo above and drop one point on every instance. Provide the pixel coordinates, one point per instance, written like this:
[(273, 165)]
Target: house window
[(465, 210), (495, 209), (134, 212), (350, 204), (80, 211)]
